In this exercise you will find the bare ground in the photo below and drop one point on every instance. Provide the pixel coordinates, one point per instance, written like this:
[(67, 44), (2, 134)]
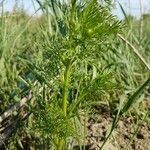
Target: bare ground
[(129, 134)]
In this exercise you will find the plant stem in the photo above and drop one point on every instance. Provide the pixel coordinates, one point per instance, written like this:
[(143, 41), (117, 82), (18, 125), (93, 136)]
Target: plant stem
[(65, 89), (60, 144), (64, 98)]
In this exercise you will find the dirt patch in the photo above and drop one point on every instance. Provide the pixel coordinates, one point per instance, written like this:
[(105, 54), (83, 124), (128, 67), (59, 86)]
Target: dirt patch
[(126, 136)]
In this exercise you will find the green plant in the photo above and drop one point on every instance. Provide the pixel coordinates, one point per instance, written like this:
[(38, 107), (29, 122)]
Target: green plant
[(76, 36), (71, 58)]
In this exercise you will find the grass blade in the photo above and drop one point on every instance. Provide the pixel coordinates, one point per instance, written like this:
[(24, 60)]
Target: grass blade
[(135, 52), (132, 99)]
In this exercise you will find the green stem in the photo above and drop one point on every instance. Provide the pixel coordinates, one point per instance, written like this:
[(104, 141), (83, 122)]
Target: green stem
[(64, 98), (60, 144), (65, 89)]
